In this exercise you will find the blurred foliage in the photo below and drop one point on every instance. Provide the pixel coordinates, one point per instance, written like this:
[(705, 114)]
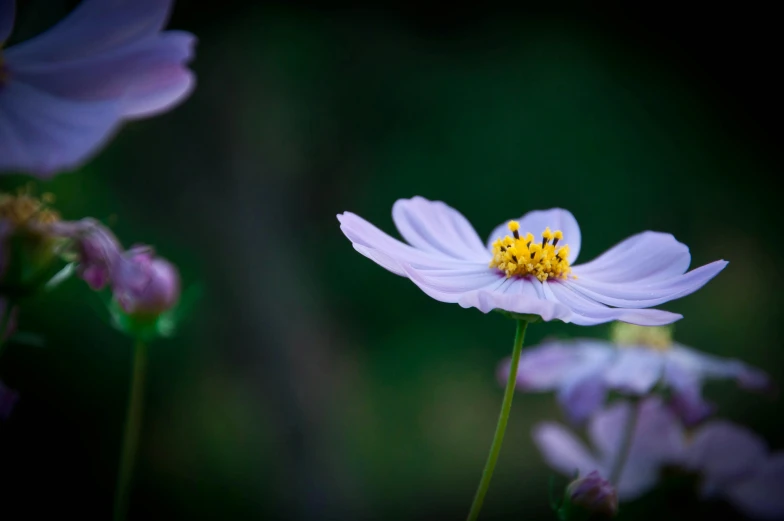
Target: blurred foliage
[(311, 384)]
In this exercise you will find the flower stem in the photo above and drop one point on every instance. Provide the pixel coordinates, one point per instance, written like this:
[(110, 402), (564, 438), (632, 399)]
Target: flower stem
[(133, 421), (503, 419), (626, 444)]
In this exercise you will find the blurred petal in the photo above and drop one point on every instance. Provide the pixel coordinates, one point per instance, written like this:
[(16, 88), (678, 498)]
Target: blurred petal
[(583, 393), (724, 452), (434, 227), (145, 77), (687, 400), (547, 367), (6, 19), (589, 313), (8, 399), (562, 450), (759, 495), (634, 370), (715, 367), (536, 221), (42, 133), (642, 294), (95, 26), (647, 256)]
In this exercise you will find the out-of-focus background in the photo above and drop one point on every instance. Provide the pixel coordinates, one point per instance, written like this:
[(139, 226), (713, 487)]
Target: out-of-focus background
[(311, 384)]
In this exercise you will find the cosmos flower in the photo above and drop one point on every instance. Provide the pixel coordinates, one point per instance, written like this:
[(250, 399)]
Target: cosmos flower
[(583, 371), (657, 440), (730, 461), (518, 272), (64, 92)]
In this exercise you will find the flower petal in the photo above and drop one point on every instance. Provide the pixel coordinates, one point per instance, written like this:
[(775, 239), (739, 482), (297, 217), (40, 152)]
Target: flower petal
[(583, 393), (647, 256), (7, 8), (563, 451), (434, 227), (588, 312), (536, 221), (646, 292), (146, 77), (709, 366), (657, 439), (634, 370), (550, 365), (516, 295), (389, 252), (41, 133), (760, 496), (724, 452), (94, 27)]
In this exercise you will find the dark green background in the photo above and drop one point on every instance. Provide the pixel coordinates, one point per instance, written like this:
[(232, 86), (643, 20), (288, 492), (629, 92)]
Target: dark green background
[(311, 384)]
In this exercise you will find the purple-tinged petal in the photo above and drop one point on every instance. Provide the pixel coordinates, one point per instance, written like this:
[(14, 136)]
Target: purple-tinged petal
[(724, 452), (589, 313), (759, 496), (709, 366), (146, 77), (42, 133), (645, 293), (95, 26), (583, 393), (657, 440), (687, 401), (536, 221), (634, 370), (647, 256), (369, 240), (562, 450), (548, 366), (6, 19), (516, 295), (435, 227)]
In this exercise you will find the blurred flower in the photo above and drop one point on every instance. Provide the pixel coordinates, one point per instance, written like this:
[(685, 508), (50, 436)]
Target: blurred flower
[(735, 465), (65, 92), (8, 399), (582, 371), (141, 283), (591, 494), (657, 440), (145, 285), (28, 252), (520, 274), (732, 462)]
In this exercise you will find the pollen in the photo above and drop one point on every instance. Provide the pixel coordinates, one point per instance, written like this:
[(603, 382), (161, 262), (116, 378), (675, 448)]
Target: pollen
[(658, 338), (524, 255), (24, 209)]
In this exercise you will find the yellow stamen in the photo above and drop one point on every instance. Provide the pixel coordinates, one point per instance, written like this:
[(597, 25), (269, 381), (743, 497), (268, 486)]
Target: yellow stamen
[(630, 335), (522, 256), (25, 209)]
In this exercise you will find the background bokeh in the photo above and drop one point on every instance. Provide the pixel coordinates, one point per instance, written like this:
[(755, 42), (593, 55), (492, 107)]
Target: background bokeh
[(309, 383)]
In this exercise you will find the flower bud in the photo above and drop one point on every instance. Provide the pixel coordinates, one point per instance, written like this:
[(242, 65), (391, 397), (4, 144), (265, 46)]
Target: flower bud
[(592, 494), (145, 285)]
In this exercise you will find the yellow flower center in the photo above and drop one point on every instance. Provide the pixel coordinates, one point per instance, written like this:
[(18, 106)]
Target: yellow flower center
[(522, 256), (653, 337), (24, 209)]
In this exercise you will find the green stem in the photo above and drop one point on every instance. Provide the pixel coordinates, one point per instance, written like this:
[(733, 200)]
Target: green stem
[(133, 422), (626, 444), (503, 419)]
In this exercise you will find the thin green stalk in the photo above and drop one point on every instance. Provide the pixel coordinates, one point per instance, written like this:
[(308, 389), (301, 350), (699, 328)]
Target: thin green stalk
[(133, 422), (626, 444), (503, 419)]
